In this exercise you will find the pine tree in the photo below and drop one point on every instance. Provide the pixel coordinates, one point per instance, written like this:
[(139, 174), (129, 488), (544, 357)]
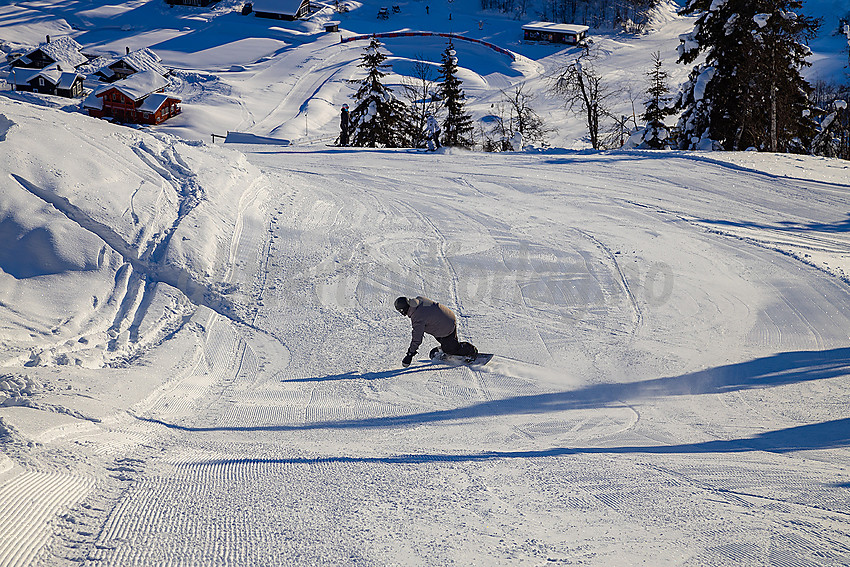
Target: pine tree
[(457, 127), (378, 119), (749, 92), (658, 107), (654, 134)]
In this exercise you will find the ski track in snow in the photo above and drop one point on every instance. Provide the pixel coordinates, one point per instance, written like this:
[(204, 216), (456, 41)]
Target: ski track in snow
[(273, 447), (669, 385)]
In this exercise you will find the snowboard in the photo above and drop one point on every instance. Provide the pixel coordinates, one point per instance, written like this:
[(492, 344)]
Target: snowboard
[(456, 360)]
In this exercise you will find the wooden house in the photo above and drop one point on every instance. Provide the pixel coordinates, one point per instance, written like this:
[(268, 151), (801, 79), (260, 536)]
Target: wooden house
[(138, 99), (63, 49), (281, 9), (549, 32), (57, 79), (133, 62)]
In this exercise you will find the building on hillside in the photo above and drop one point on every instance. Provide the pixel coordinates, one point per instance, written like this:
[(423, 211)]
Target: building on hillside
[(281, 9), (138, 99), (569, 34), (63, 49), (58, 79), (133, 62)]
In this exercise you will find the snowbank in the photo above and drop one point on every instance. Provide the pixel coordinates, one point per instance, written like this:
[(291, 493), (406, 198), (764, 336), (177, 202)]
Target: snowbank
[(92, 215)]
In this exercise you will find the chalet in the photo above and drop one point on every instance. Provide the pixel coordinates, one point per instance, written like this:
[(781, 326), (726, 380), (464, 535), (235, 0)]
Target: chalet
[(138, 99), (133, 62), (570, 34), (63, 49), (57, 79), (281, 9)]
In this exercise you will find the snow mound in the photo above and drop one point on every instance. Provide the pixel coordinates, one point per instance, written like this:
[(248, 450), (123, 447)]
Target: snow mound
[(93, 216)]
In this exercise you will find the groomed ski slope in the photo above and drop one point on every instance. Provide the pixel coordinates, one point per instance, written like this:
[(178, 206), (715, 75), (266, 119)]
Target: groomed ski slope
[(669, 388), (201, 362)]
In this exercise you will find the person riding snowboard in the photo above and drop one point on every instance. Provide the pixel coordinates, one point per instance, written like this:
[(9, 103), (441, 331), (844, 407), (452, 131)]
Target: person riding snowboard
[(438, 320)]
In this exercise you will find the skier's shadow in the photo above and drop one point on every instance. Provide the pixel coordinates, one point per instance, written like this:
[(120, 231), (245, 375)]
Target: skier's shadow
[(354, 375)]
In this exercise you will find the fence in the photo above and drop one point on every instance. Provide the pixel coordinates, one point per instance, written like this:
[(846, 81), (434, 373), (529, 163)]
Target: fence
[(496, 48)]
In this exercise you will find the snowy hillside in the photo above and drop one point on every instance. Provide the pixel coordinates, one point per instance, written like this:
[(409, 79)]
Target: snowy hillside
[(200, 363), (288, 80)]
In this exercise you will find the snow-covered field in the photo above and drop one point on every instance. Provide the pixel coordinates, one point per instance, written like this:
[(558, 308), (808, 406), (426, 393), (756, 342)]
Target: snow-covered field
[(200, 362)]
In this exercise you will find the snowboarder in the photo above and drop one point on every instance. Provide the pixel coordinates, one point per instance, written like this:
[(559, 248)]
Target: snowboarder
[(438, 320), (432, 127), (343, 126)]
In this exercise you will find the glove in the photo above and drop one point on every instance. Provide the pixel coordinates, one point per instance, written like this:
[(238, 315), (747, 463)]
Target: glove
[(408, 358)]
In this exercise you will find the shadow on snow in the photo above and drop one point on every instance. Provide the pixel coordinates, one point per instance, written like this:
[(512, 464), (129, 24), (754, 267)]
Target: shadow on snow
[(826, 435), (836, 227), (353, 375), (776, 370)]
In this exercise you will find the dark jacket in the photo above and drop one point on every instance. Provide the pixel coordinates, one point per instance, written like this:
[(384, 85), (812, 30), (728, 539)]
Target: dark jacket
[(429, 317)]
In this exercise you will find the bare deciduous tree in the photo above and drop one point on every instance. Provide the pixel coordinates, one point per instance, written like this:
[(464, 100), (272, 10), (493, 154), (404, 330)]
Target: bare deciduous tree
[(514, 115), (419, 89), (584, 93)]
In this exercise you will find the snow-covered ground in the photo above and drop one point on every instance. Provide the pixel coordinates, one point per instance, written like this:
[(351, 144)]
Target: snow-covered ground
[(200, 362)]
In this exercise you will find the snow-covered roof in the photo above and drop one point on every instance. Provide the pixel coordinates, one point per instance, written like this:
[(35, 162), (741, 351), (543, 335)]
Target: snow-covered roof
[(22, 75), (143, 60), (93, 101), (289, 7), (138, 85), (23, 60), (67, 79), (555, 28), (155, 101), (94, 65), (57, 74), (52, 73), (63, 49)]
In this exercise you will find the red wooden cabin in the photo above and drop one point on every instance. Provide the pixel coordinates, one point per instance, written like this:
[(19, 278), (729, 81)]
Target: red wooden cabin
[(138, 99)]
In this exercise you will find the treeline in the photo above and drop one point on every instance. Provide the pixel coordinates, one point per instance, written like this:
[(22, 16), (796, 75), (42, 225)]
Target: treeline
[(382, 119), (630, 15), (746, 90)]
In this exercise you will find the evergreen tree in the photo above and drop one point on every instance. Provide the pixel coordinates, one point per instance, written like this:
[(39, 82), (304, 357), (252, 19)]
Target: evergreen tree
[(845, 29), (654, 134), (378, 119), (749, 92), (658, 106), (832, 138), (457, 127)]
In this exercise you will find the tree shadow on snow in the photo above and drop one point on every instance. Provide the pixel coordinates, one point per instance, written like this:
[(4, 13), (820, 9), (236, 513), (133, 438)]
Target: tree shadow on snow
[(609, 157), (772, 371), (835, 227), (826, 435)]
